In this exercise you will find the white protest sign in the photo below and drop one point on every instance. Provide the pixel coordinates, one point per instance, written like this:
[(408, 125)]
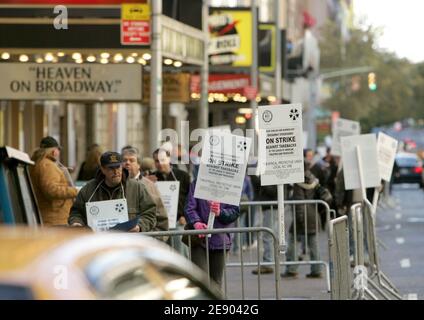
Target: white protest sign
[(222, 168), (169, 192), (103, 215), (305, 138), (280, 144), (226, 128), (371, 174), (343, 128), (386, 152)]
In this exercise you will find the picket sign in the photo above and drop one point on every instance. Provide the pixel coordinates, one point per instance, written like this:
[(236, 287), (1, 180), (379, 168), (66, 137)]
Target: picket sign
[(281, 152)]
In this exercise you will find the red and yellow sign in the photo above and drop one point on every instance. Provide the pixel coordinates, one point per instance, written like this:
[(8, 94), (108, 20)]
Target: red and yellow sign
[(135, 24), (70, 2), (230, 37), (227, 83)]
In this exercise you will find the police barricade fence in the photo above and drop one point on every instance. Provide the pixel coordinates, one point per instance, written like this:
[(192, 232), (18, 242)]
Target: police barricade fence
[(338, 244), (256, 215), (372, 245), (229, 287), (360, 285), (369, 280)]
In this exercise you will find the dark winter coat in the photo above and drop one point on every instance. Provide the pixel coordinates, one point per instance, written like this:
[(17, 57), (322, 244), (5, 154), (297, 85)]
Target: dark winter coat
[(197, 210), (305, 191), (139, 202)]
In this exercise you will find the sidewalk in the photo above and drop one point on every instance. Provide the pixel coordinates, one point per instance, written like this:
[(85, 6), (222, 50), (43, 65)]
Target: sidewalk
[(301, 288)]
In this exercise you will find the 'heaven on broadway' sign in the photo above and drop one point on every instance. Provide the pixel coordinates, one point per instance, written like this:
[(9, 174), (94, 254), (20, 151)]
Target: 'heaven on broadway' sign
[(67, 81)]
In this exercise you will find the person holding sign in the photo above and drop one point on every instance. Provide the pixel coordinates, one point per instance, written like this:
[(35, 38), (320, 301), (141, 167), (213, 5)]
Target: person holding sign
[(197, 213), (165, 172), (112, 183), (132, 163), (305, 225)]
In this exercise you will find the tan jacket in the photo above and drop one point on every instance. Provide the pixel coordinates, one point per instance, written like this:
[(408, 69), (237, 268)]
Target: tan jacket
[(54, 195)]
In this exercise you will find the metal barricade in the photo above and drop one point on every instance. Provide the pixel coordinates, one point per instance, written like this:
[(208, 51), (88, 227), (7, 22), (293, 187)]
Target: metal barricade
[(305, 237), (363, 228), (338, 247), (242, 265), (360, 290), (371, 239)]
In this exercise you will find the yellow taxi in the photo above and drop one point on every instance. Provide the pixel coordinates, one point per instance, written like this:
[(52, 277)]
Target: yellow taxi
[(65, 263)]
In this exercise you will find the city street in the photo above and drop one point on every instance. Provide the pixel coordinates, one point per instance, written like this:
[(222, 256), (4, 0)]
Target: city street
[(400, 232), (168, 149)]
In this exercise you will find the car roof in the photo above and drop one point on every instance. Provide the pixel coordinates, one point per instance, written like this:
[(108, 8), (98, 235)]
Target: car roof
[(20, 245), (31, 257), (406, 155)]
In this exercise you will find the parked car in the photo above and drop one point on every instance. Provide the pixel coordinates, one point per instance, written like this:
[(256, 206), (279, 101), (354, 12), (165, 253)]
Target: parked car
[(79, 264), (18, 204), (408, 168)]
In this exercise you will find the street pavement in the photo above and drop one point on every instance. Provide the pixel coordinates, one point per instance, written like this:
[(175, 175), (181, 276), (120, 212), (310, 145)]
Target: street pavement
[(400, 230)]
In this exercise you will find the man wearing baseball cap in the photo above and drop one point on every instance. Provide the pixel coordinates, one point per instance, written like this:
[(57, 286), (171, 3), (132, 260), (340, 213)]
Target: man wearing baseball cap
[(111, 183)]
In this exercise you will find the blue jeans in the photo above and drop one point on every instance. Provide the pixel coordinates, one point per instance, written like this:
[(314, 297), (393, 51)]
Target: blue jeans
[(269, 220), (313, 251)]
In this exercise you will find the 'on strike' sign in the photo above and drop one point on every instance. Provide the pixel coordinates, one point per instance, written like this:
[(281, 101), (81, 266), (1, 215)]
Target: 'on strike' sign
[(280, 144)]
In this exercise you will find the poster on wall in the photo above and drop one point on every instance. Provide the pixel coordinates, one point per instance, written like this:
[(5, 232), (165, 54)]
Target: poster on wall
[(230, 37)]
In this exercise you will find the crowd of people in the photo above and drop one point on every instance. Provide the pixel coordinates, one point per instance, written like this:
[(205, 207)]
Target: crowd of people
[(129, 175)]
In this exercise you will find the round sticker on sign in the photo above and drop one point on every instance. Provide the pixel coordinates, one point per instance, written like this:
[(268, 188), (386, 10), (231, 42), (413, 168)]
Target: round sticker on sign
[(172, 187), (242, 145), (94, 211), (267, 116), (214, 140), (294, 114), (119, 207)]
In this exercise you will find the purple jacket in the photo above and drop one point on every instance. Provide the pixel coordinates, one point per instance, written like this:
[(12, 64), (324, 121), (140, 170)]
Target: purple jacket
[(197, 210)]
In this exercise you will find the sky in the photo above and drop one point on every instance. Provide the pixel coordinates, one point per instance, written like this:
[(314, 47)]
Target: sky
[(402, 22)]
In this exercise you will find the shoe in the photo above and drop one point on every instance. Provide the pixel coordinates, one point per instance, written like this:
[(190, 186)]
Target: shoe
[(263, 270), (289, 275), (314, 275)]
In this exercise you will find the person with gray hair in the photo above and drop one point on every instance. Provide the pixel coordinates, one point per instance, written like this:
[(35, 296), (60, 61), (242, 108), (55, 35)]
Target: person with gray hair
[(132, 162)]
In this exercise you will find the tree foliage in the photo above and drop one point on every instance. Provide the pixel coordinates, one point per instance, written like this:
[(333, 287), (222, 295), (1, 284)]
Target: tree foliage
[(398, 93)]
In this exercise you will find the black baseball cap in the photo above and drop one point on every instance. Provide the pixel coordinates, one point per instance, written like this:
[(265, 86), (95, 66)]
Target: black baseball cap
[(111, 159), (49, 142)]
